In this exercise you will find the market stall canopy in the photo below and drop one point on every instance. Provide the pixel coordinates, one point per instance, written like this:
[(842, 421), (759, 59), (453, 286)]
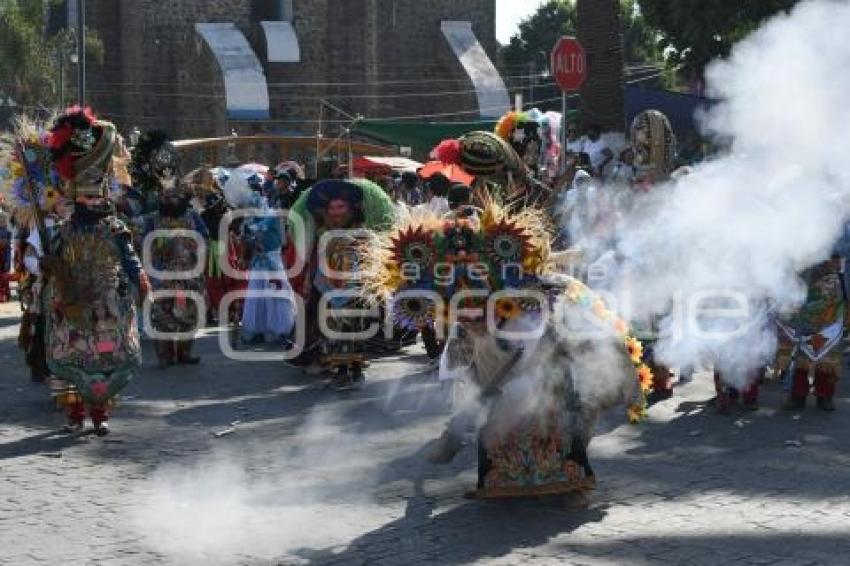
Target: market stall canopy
[(451, 171), (384, 165)]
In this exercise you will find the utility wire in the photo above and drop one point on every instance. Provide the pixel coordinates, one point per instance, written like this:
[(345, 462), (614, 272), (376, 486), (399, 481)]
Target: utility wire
[(530, 104)]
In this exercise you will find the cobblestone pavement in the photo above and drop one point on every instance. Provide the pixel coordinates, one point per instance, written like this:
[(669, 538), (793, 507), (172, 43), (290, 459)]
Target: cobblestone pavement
[(311, 477)]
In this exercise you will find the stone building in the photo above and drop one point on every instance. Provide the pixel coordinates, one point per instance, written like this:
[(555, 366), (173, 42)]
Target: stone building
[(201, 68)]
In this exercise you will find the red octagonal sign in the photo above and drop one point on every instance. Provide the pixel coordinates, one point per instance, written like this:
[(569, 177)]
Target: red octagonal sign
[(569, 64)]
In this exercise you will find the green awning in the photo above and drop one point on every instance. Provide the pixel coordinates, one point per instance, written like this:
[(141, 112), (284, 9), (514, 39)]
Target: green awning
[(421, 137)]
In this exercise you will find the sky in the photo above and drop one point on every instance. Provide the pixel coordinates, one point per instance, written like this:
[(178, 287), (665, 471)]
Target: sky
[(509, 13)]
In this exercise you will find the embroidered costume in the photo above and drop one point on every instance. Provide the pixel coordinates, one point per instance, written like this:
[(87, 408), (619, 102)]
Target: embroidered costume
[(545, 355)]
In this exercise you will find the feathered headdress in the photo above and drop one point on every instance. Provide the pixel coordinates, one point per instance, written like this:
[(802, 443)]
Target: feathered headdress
[(27, 177), (79, 142), (376, 205), (500, 261), (154, 161), (71, 137)]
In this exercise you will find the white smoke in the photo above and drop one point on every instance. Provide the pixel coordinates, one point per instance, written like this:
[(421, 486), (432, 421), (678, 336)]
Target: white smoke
[(311, 493), (751, 220)]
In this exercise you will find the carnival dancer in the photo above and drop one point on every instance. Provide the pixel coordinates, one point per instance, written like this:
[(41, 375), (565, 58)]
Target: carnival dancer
[(175, 242), (337, 218), (151, 159), (91, 272), (654, 145), (37, 203), (218, 283), (165, 207), (728, 394), (31, 292), (265, 316), (5, 258), (810, 339), (546, 356)]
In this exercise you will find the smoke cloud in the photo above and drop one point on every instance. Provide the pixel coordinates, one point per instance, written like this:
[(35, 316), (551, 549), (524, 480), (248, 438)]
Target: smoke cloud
[(311, 493), (736, 232)]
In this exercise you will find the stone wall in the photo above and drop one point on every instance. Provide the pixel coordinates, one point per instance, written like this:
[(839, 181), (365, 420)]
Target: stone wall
[(377, 58)]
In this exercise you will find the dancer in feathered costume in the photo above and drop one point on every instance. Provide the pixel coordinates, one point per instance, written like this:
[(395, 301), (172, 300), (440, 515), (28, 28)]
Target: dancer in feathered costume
[(178, 240), (351, 209), (33, 190), (93, 275), (546, 356), (150, 159), (654, 144), (811, 338)]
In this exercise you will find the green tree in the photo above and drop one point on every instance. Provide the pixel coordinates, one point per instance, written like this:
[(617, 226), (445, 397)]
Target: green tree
[(538, 34), (693, 32), (555, 18), (29, 70), (641, 43)]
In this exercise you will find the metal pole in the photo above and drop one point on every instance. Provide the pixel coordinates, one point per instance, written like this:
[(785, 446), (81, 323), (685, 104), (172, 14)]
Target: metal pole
[(81, 51), (61, 79), (563, 160)]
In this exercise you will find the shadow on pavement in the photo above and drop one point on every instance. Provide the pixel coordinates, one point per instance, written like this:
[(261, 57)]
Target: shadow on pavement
[(48, 444), (426, 533)]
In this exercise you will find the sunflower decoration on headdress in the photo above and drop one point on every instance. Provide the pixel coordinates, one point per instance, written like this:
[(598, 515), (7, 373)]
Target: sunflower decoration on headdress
[(413, 311), (28, 180), (413, 246), (428, 255)]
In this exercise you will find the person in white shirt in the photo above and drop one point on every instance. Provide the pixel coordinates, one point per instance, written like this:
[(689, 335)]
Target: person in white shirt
[(624, 172), (436, 189), (599, 152), (575, 143)]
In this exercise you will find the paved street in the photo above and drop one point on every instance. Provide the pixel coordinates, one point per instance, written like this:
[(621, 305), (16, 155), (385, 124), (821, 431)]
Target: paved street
[(309, 476)]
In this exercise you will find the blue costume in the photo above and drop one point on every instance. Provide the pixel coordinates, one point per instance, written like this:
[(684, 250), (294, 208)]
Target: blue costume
[(269, 315)]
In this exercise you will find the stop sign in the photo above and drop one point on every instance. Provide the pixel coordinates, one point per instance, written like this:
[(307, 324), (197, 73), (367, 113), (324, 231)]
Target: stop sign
[(568, 63)]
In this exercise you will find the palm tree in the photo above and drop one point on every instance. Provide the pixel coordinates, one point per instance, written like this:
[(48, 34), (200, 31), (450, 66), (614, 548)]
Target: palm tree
[(599, 29)]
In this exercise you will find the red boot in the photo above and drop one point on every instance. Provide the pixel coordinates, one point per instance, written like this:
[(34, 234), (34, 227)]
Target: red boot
[(76, 413), (99, 418), (825, 388), (750, 397), (799, 390)]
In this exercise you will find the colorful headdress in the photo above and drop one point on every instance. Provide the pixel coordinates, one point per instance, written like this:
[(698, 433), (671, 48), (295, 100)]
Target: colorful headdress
[(27, 177), (654, 143), (328, 190), (484, 254), (155, 163), (484, 155), (424, 264), (376, 205), (82, 148), (522, 131)]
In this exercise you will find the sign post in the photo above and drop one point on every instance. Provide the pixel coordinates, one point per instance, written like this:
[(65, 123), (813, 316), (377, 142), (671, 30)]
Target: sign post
[(569, 68)]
